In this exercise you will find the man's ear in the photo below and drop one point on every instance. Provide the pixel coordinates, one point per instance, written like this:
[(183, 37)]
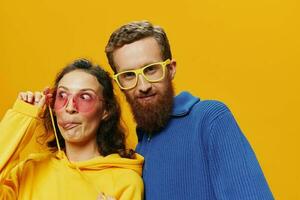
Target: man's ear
[(172, 69)]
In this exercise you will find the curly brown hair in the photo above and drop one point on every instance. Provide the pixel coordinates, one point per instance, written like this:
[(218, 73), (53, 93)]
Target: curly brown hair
[(111, 135), (135, 31)]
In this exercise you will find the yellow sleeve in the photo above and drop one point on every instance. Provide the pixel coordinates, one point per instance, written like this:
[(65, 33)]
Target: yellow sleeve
[(135, 189), (9, 185), (16, 129)]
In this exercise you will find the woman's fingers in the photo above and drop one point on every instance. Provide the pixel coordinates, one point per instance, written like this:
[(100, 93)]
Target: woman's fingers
[(42, 101), (103, 197), (30, 98), (36, 98), (48, 92), (22, 96), (26, 96), (39, 99)]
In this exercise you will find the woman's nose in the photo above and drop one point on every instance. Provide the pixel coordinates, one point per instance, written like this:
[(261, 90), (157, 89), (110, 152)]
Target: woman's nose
[(71, 106)]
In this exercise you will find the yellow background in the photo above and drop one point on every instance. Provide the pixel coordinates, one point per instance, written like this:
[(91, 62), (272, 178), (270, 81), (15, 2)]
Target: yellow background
[(245, 53)]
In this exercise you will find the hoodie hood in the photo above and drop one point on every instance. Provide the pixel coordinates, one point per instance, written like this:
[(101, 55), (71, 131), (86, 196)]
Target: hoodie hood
[(100, 163)]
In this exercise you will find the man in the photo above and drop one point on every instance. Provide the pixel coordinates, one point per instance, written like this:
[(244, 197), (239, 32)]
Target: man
[(193, 149)]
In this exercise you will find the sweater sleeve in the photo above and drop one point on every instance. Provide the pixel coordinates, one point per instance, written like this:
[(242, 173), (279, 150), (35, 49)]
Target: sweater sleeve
[(16, 129), (235, 171)]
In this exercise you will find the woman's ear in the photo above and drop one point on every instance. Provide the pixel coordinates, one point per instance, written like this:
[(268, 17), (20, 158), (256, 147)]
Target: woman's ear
[(105, 115)]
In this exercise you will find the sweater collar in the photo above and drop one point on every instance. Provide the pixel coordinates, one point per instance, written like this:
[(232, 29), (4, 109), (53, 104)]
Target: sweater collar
[(183, 104)]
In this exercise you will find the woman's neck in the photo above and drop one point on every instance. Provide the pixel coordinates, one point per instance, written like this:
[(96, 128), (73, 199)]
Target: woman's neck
[(81, 152)]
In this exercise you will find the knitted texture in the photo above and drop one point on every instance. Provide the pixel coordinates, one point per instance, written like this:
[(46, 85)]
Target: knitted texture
[(201, 154)]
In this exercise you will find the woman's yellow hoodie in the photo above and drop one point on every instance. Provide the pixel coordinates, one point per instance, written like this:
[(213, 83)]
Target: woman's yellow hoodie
[(51, 175)]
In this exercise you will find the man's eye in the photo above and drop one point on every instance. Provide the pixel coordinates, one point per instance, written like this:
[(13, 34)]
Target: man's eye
[(128, 75), (151, 69)]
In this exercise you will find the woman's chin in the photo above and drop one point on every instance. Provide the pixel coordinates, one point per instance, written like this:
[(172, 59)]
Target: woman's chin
[(72, 136)]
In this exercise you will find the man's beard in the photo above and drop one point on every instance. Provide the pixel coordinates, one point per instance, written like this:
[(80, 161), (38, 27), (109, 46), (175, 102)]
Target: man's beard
[(153, 116)]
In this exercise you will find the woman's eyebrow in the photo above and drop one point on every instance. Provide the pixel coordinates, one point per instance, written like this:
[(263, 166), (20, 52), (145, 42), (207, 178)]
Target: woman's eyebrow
[(65, 88), (84, 89), (88, 89)]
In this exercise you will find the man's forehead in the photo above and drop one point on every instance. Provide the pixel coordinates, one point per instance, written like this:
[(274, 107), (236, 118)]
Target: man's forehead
[(137, 54)]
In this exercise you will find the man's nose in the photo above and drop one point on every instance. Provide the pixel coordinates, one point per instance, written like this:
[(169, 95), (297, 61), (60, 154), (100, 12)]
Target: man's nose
[(143, 85)]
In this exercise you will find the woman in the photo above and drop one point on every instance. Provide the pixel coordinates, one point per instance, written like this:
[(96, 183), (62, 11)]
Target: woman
[(86, 157)]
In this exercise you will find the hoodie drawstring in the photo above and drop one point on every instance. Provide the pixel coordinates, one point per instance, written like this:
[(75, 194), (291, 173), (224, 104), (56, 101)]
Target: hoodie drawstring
[(54, 128), (59, 150)]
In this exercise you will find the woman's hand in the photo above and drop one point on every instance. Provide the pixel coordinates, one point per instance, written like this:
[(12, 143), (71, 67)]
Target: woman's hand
[(103, 197), (36, 98)]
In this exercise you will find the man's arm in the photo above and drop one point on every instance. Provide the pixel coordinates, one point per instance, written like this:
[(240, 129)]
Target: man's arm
[(234, 169)]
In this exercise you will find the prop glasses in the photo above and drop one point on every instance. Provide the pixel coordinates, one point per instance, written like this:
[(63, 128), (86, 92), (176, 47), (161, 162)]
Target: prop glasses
[(152, 73), (83, 101)]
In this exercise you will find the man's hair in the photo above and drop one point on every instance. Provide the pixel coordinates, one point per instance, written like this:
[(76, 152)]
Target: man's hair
[(133, 32)]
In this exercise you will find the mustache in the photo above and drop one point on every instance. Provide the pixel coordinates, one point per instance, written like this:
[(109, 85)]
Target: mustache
[(153, 116), (143, 95)]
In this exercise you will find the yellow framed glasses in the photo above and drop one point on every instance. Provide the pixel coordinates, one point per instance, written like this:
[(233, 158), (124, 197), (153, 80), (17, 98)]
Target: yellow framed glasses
[(153, 72)]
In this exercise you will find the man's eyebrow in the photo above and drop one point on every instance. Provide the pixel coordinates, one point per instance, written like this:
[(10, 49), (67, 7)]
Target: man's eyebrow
[(141, 66)]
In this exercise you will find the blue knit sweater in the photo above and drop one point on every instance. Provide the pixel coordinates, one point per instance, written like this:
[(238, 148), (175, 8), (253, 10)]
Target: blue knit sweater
[(201, 154)]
